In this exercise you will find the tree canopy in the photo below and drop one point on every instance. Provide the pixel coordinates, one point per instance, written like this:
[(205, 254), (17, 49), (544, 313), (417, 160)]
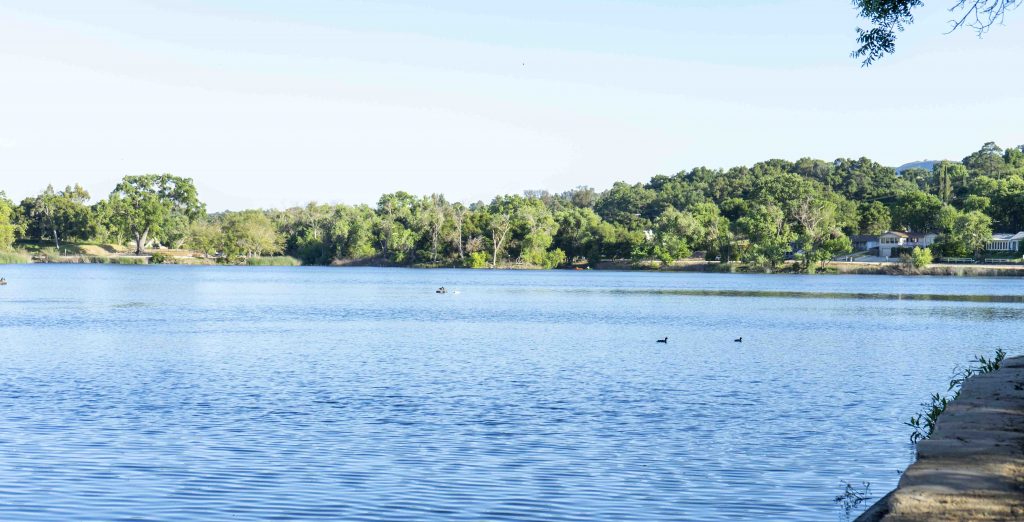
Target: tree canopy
[(763, 214), (143, 205)]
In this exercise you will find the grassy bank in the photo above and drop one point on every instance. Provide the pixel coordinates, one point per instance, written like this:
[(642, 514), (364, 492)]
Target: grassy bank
[(272, 261), (14, 258)]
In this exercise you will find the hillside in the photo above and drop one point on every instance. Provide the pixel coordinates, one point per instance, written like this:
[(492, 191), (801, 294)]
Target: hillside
[(925, 164)]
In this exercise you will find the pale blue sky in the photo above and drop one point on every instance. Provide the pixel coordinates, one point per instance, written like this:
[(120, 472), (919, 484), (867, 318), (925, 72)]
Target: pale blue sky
[(274, 103)]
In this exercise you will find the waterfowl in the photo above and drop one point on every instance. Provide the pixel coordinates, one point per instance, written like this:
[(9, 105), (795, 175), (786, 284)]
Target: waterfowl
[(740, 340), (665, 340)]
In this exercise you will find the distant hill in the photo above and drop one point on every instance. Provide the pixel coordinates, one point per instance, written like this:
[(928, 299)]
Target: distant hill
[(926, 165)]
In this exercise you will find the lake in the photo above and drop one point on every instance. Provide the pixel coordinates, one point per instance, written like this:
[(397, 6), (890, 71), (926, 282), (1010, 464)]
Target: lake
[(217, 393)]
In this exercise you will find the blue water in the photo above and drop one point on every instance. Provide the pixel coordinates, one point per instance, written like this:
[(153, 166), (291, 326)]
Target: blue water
[(219, 393)]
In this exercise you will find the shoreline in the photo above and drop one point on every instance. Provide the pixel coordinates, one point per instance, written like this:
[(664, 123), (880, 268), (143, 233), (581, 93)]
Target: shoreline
[(972, 467), (623, 265), (838, 268)]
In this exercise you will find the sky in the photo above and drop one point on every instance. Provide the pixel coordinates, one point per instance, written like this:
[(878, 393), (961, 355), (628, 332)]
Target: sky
[(265, 103)]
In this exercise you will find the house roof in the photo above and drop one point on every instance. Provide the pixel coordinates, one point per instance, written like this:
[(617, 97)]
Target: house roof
[(894, 233), (1006, 236)]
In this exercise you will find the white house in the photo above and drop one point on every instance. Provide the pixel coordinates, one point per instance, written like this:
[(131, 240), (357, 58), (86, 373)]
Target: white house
[(1005, 242), (891, 240)]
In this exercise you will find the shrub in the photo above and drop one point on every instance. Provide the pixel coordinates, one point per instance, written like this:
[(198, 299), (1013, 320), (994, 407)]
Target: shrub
[(478, 260), (555, 258), (921, 257), (916, 259), (158, 258)]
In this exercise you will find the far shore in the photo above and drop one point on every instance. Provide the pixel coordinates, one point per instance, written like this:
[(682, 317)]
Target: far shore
[(180, 257)]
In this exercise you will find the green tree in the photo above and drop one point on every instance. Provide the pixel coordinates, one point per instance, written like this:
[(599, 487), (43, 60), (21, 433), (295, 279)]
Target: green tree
[(769, 235), (394, 219), (432, 216), (970, 232), (979, 203), (579, 233), (820, 237), (675, 231), (58, 215), (875, 218), (142, 206), (626, 205), (204, 237), (501, 219), (7, 226), (251, 233), (987, 161), (917, 212), (1014, 157), (537, 228)]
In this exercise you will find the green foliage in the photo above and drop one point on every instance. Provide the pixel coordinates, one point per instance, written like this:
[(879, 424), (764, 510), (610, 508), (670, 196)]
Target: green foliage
[(875, 218), (554, 258), (204, 237), (889, 17), (923, 423), (921, 257), (57, 216), (158, 258), (141, 206), (272, 261), (918, 212), (478, 260), (769, 234), (626, 205), (7, 226), (250, 233), (968, 235), (763, 214), (916, 259)]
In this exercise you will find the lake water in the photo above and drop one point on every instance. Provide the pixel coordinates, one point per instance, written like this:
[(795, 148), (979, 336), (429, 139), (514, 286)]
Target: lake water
[(187, 393)]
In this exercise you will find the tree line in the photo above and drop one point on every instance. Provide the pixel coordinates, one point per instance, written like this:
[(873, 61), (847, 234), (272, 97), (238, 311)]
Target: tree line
[(761, 215)]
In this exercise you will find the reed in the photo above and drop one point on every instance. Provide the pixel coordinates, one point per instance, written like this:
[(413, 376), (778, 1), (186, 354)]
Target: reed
[(272, 261), (14, 258)]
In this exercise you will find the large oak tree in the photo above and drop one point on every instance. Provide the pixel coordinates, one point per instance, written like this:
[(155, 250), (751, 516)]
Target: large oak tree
[(141, 206)]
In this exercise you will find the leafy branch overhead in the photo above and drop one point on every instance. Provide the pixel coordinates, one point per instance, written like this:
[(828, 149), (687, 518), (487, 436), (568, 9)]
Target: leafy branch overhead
[(889, 17)]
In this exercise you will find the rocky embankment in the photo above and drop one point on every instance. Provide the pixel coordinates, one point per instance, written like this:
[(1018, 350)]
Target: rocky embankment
[(972, 467)]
